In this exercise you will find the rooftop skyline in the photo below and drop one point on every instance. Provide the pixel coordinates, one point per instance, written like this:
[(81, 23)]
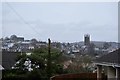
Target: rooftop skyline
[(64, 22)]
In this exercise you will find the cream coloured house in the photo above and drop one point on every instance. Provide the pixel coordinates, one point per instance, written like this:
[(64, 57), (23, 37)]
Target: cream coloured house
[(112, 63)]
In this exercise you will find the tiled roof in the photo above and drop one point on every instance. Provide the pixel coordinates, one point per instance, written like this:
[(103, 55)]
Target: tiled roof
[(111, 58)]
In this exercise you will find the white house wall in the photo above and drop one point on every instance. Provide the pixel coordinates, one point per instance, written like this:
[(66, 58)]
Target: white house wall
[(111, 73)]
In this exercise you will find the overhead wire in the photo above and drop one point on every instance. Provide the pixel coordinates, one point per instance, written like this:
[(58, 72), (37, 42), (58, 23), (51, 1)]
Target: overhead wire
[(23, 20)]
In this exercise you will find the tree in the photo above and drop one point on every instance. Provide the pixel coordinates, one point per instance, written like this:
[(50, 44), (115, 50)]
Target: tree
[(34, 66), (6, 38), (13, 37), (80, 64), (106, 45), (91, 50), (34, 40)]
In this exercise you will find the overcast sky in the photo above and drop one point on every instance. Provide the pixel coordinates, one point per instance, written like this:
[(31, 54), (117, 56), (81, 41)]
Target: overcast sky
[(64, 22)]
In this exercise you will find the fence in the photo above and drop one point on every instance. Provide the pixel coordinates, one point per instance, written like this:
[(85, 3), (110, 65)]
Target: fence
[(79, 76)]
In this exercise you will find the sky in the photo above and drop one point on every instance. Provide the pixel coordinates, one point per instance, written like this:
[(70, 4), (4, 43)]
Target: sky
[(60, 21)]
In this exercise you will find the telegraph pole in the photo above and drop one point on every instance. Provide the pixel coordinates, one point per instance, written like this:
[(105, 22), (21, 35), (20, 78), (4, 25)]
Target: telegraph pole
[(49, 59)]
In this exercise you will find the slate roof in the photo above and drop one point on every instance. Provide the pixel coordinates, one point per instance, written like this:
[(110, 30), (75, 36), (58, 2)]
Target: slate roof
[(8, 59), (112, 58)]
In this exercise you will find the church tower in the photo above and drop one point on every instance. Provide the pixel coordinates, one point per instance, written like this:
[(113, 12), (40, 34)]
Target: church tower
[(87, 39)]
